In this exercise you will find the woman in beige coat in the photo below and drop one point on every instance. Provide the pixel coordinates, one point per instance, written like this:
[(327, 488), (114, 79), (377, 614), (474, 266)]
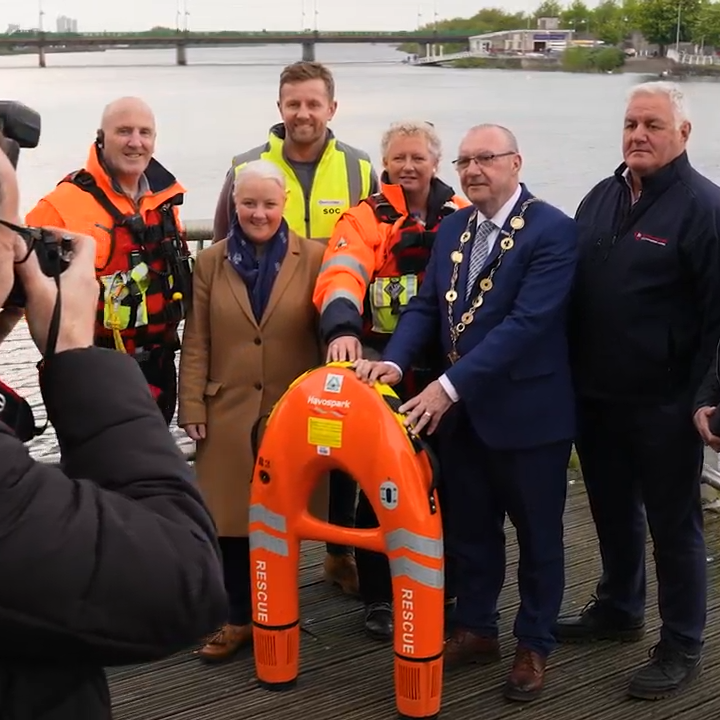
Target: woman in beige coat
[(252, 331)]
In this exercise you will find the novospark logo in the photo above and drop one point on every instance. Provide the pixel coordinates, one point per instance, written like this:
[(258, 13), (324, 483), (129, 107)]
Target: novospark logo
[(327, 403)]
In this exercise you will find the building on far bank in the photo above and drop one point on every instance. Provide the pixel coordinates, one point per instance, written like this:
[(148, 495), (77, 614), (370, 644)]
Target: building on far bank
[(548, 36), (66, 25)]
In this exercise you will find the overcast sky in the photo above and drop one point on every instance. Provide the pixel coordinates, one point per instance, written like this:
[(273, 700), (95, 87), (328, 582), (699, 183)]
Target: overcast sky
[(94, 15)]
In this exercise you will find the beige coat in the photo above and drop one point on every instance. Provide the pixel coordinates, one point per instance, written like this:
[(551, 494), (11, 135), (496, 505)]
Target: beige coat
[(233, 370)]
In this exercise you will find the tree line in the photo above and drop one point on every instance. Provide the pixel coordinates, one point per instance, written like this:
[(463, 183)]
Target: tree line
[(612, 21)]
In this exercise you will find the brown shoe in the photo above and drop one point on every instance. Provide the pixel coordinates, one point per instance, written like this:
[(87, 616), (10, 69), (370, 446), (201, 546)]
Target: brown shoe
[(341, 570), (527, 676), (466, 648), (225, 643)]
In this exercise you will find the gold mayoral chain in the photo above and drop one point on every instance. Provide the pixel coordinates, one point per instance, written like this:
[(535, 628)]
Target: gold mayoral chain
[(517, 222)]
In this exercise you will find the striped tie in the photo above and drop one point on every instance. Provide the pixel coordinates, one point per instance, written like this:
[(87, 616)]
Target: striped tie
[(479, 253)]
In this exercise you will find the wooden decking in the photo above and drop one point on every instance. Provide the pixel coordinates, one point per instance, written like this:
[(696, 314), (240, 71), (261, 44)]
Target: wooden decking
[(345, 675)]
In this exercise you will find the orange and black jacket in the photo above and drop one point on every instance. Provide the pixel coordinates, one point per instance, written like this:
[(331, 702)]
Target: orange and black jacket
[(377, 240), (130, 236)]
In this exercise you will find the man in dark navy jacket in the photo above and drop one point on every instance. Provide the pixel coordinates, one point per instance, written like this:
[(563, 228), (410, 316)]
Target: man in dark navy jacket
[(496, 290), (645, 324)]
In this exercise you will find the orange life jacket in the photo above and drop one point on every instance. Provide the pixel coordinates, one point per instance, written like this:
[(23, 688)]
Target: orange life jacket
[(146, 278), (408, 251)]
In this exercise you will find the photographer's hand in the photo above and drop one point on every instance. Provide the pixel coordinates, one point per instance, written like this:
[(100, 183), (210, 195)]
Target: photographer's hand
[(9, 318), (8, 211), (79, 296)]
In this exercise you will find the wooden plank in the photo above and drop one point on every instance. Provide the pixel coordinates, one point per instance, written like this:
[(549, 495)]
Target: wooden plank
[(345, 675)]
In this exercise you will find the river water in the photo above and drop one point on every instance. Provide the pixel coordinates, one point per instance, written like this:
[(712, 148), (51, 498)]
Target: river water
[(223, 102)]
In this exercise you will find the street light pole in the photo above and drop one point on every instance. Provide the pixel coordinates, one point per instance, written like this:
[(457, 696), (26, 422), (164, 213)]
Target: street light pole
[(315, 13), (677, 32), (41, 14)]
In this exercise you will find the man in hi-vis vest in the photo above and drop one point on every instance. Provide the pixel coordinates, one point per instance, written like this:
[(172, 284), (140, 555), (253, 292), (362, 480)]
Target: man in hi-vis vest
[(325, 177)]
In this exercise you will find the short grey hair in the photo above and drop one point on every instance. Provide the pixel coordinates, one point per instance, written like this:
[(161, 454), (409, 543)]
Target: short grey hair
[(671, 90), (410, 128), (263, 169), (510, 138)]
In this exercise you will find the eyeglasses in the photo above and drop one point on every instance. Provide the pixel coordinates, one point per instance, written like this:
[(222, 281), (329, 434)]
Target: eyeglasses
[(484, 160)]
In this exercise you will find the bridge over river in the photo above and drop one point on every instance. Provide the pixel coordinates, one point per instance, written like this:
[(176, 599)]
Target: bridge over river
[(181, 40)]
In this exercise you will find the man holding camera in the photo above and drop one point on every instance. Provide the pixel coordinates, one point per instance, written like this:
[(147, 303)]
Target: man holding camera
[(103, 562), (128, 202)]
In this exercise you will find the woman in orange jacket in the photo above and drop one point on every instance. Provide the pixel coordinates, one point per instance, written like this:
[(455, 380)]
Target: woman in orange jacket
[(374, 263)]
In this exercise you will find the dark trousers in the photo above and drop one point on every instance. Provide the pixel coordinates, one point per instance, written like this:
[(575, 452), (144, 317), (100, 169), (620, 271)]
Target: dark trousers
[(643, 462), (374, 569), (484, 484), (236, 572), (159, 370), (341, 511)]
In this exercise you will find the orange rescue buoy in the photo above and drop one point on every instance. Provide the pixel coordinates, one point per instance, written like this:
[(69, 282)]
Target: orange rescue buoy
[(329, 419)]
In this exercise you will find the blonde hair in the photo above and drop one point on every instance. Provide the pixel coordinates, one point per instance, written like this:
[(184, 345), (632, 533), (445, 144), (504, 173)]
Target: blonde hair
[(410, 128)]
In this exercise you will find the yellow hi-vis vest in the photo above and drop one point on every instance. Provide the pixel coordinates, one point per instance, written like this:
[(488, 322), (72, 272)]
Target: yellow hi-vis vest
[(343, 178)]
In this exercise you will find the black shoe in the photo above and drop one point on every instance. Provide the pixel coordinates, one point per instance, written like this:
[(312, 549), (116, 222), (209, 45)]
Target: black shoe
[(598, 622), (379, 621), (669, 671)]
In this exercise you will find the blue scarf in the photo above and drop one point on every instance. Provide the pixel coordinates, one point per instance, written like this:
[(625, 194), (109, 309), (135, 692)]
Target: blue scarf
[(258, 274)]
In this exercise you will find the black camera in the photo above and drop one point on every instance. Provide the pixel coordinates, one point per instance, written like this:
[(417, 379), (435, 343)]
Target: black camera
[(53, 258), (20, 128)]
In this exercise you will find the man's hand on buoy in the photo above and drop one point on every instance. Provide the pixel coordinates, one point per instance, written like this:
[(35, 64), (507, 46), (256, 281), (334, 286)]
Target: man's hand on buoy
[(425, 410)]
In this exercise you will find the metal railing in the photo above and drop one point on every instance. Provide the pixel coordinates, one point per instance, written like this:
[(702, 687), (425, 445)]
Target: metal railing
[(199, 233), (685, 58)]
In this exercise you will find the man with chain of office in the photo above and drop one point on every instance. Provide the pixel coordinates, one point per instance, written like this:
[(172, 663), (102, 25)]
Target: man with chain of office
[(497, 287)]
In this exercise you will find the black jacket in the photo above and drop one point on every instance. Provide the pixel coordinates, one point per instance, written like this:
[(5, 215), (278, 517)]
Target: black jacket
[(645, 313), (112, 560), (708, 394)]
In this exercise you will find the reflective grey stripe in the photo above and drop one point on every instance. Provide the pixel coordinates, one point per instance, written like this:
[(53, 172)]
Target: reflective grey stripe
[(353, 166), (354, 177), (260, 540), (434, 579), (336, 295), (346, 261), (404, 539), (253, 154), (259, 513)]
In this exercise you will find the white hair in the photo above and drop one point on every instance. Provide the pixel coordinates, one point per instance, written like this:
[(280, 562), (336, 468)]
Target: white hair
[(671, 90), (411, 128), (263, 169), (509, 136)]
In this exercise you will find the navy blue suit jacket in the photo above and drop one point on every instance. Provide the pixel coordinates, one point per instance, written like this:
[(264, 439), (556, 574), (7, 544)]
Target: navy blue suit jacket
[(513, 375)]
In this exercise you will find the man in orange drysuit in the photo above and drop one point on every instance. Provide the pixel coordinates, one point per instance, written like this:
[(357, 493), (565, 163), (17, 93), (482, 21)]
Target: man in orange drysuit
[(128, 202), (373, 265)]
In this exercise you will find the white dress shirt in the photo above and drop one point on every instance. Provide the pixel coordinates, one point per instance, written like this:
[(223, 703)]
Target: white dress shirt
[(499, 220)]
